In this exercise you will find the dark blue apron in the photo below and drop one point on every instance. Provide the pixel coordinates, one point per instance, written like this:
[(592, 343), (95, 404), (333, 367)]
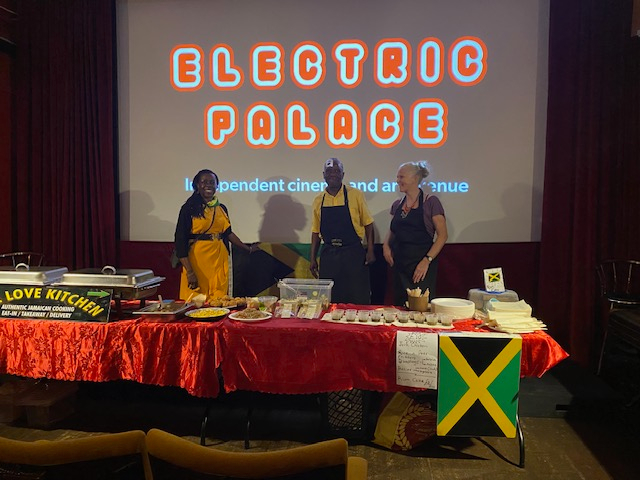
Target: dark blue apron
[(411, 243), (343, 257)]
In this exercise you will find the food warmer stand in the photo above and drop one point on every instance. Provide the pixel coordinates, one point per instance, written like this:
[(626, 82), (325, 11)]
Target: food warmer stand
[(126, 284)]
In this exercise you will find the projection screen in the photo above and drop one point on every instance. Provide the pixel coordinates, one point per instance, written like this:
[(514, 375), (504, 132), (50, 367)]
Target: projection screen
[(264, 91)]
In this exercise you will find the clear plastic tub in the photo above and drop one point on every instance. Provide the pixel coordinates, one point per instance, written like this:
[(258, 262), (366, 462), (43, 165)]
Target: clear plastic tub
[(306, 289)]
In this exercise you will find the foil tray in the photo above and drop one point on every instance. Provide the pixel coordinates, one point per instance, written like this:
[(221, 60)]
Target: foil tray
[(167, 312)]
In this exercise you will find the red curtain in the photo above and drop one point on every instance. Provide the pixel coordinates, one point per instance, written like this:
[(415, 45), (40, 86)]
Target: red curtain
[(591, 184), (65, 173)]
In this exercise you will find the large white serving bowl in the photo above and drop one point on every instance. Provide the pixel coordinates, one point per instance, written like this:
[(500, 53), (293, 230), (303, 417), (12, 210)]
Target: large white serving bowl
[(458, 307)]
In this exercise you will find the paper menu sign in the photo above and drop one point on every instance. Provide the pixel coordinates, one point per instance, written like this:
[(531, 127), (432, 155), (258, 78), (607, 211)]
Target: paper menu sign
[(417, 359), (493, 280)]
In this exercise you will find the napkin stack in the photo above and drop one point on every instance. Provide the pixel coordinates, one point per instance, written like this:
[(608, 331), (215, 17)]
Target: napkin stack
[(512, 317)]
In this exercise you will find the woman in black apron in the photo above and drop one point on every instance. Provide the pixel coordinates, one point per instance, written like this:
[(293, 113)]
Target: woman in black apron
[(410, 248)]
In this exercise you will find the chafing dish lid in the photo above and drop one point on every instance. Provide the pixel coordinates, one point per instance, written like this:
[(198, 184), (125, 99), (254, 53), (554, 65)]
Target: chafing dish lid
[(23, 274), (110, 277)]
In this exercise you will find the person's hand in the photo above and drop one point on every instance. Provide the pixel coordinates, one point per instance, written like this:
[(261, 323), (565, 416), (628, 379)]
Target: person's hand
[(313, 267), (370, 258), (254, 247), (192, 280), (421, 270), (388, 254)]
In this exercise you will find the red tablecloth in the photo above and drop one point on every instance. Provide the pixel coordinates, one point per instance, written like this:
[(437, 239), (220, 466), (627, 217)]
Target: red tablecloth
[(277, 356), (309, 356), (179, 354)]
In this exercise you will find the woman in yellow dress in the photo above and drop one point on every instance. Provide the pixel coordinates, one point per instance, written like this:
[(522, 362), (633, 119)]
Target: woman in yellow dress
[(202, 240)]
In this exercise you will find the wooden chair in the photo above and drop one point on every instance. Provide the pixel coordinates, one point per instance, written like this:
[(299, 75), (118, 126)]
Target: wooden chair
[(620, 296), (113, 456), (33, 259), (174, 457)]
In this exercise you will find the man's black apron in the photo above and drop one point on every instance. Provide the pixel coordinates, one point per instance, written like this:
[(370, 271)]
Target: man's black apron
[(410, 245), (343, 257)]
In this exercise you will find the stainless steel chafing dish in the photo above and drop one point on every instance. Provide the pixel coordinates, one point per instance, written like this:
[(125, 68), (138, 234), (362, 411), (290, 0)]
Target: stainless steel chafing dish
[(127, 284), (23, 274)]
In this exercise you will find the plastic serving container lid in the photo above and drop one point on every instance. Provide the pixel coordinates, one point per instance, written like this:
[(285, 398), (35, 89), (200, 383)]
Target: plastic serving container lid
[(109, 277), (306, 282), (23, 274)]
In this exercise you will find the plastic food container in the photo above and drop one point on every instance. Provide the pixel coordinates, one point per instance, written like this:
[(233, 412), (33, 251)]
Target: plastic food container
[(306, 289)]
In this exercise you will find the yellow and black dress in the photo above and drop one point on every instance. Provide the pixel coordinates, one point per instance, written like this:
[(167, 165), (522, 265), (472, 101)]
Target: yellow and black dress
[(203, 240)]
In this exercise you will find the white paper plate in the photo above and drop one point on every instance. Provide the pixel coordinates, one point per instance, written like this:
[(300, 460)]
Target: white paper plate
[(453, 302), (234, 316), (458, 307)]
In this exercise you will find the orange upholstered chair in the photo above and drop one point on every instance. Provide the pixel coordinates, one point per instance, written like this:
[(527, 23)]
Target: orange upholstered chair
[(174, 457), (112, 455)]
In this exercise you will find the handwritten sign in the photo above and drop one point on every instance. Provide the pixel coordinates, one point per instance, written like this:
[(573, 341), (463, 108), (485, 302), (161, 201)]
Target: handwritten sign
[(417, 359)]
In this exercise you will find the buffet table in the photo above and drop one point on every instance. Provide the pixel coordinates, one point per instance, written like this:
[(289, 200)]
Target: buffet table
[(277, 356), (297, 356)]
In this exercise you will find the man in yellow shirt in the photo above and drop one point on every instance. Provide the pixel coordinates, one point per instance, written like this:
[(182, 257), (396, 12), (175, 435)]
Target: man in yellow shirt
[(342, 220)]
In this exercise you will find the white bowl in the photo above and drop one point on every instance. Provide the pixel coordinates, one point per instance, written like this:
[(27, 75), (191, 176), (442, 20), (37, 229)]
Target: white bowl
[(457, 307)]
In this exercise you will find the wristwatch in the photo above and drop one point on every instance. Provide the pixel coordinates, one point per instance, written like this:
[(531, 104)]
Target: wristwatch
[(428, 257)]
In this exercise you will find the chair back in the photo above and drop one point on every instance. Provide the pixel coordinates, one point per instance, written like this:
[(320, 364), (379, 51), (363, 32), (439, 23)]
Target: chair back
[(620, 282), (33, 259), (118, 456), (174, 457)]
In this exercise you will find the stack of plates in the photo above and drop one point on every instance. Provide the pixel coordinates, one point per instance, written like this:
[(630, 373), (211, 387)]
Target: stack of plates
[(457, 307)]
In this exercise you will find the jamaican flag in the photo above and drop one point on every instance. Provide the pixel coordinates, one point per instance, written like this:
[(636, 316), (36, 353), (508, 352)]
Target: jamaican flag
[(258, 273), (479, 379)]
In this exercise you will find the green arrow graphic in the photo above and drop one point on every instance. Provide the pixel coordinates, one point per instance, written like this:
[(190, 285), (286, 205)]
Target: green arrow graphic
[(99, 294)]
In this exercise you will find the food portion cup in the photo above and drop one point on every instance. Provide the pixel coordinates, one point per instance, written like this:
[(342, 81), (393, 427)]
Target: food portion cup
[(337, 314), (403, 317), (351, 315), (432, 319), (376, 315), (446, 319), (363, 315)]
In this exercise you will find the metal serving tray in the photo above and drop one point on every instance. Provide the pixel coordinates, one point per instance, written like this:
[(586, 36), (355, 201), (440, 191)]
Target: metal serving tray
[(110, 277), (167, 312), (23, 274)]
